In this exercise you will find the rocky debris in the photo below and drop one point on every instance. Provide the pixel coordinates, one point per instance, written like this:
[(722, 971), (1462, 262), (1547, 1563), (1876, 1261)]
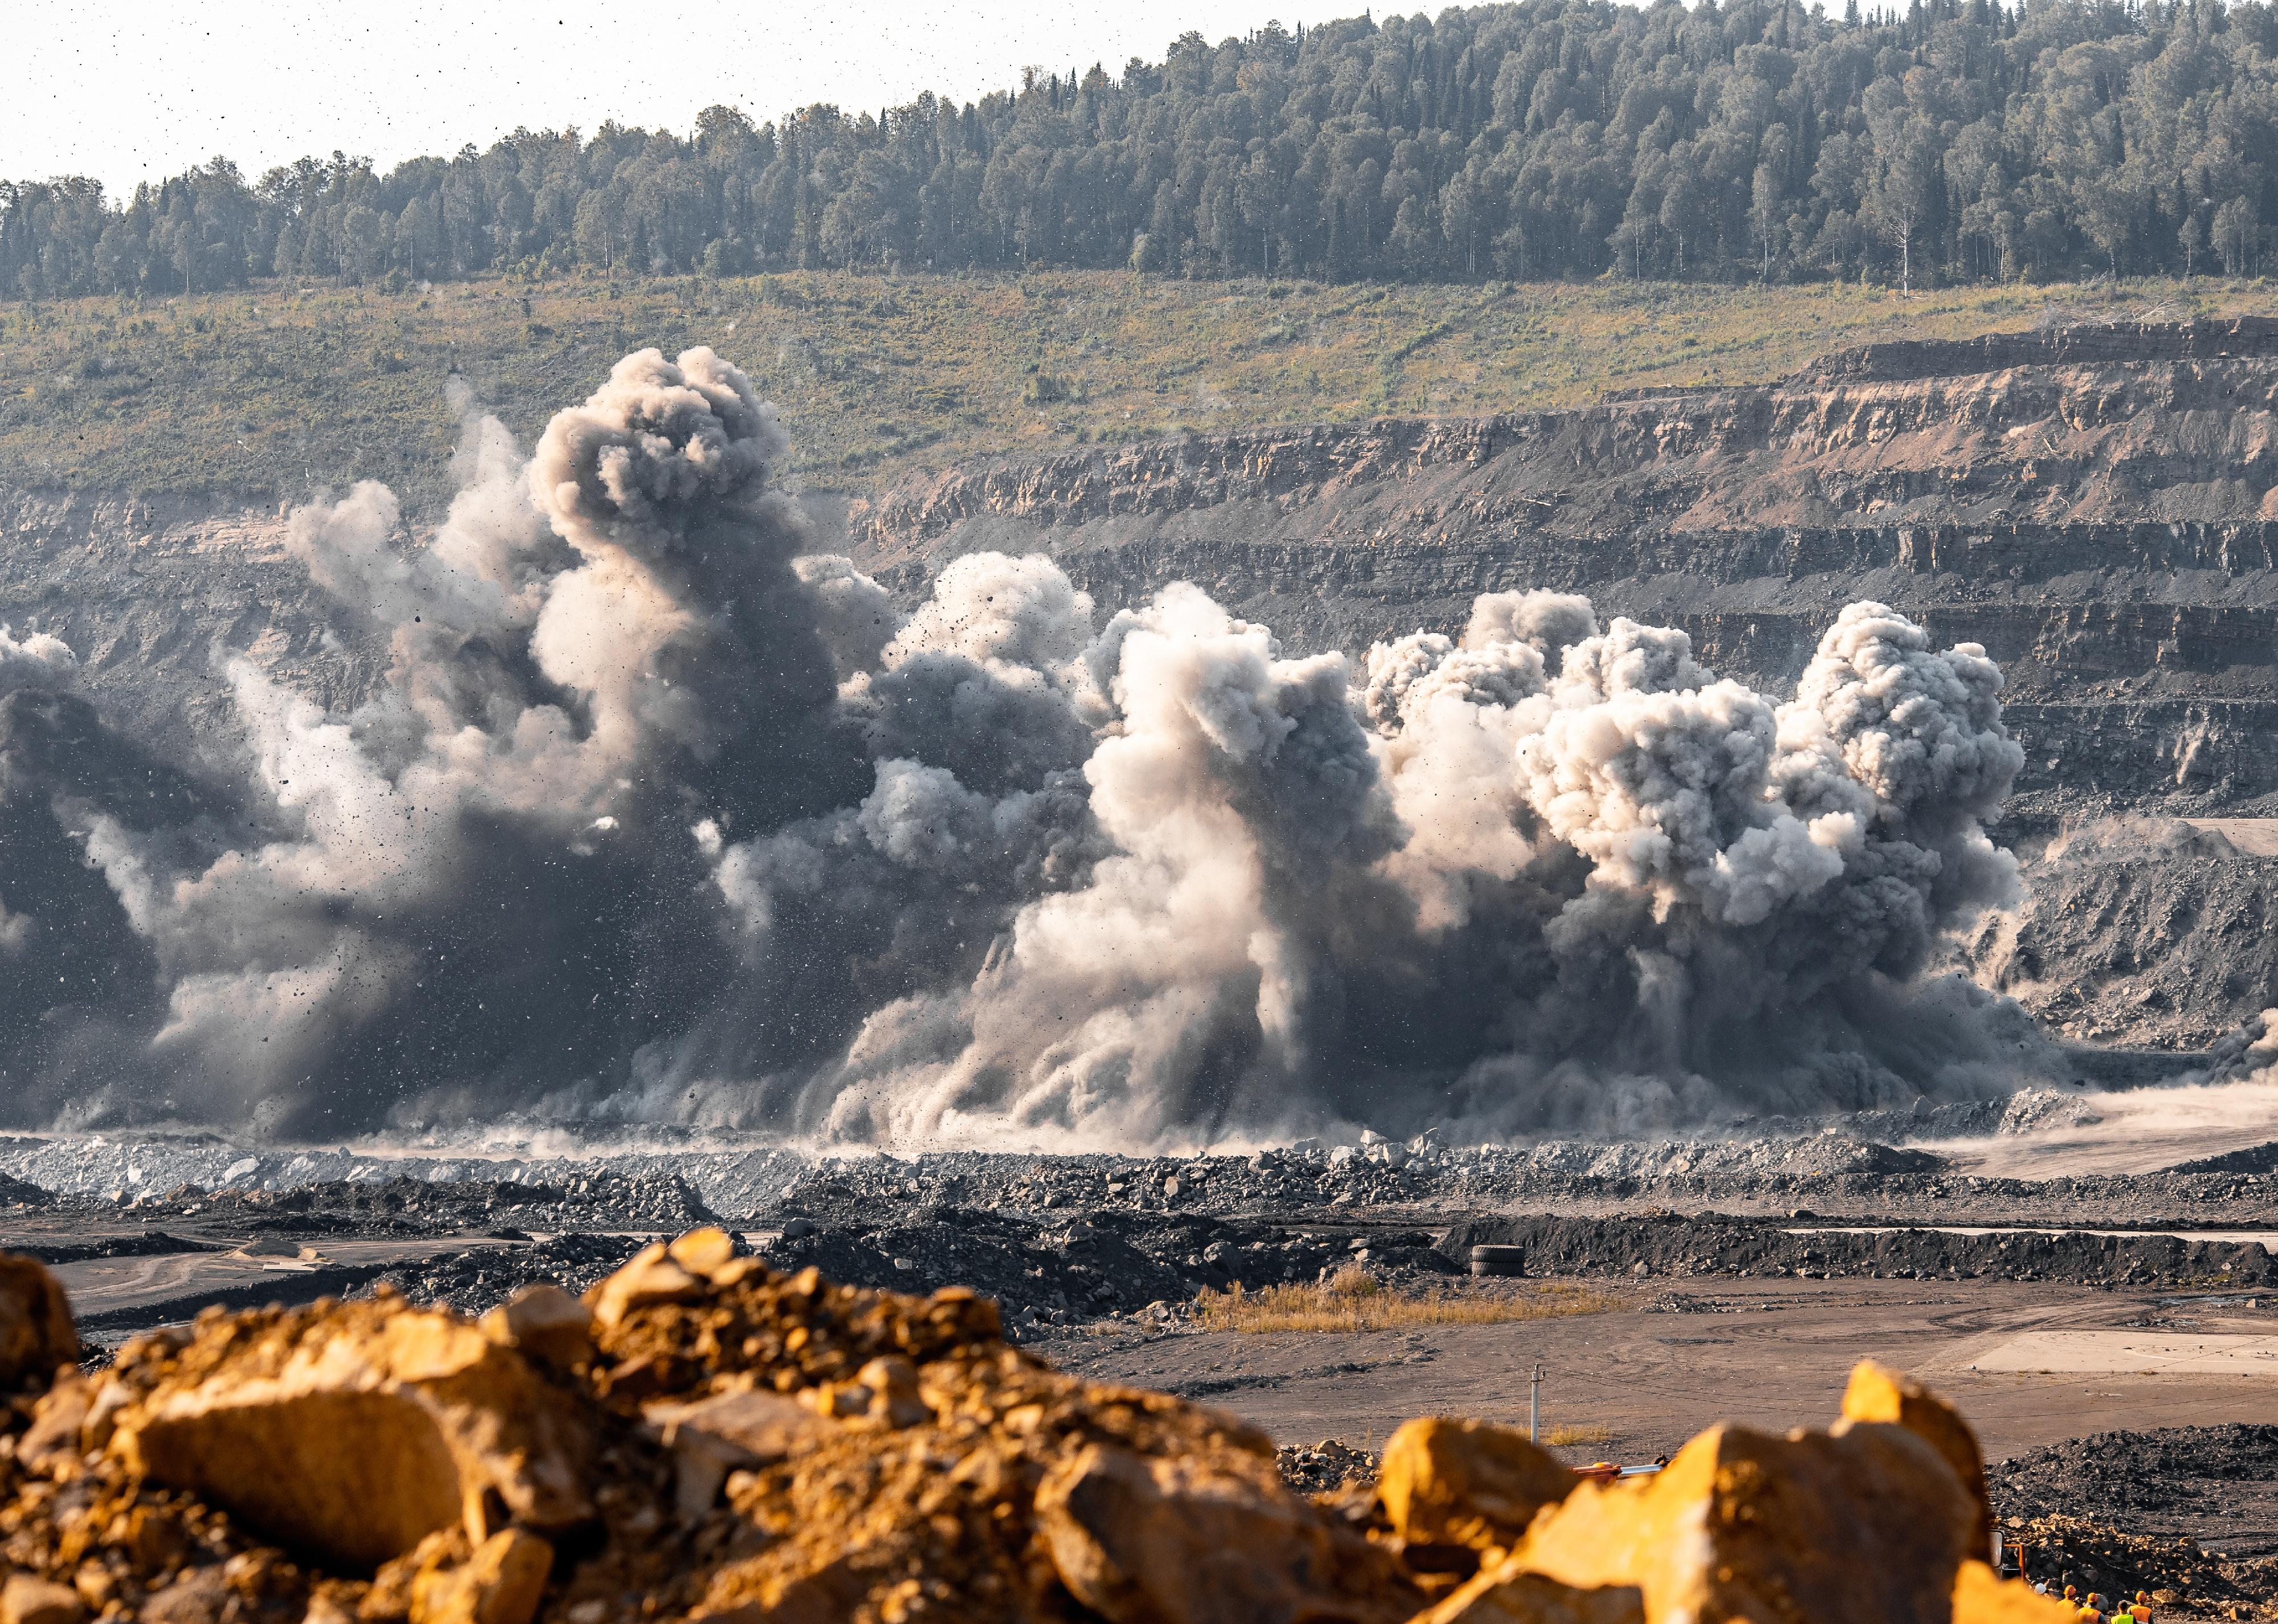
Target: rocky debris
[(476, 1280), (1210, 1538), (2135, 930), (37, 1337), (17, 1194), (1280, 1195), (704, 1436), (27, 1600), (1080, 1264), (582, 1198), (2058, 1550), (1326, 1466), (2218, 1485), (1870, 1521), (1311, 1188), (1868, 1525), (1714, 1244), (501, 1582), (353, 1431)]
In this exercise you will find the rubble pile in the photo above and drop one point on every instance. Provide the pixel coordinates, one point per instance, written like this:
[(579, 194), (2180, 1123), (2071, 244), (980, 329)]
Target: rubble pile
[(2175, 1491), (1326, 1466), (701, 1436), (480, 1278)]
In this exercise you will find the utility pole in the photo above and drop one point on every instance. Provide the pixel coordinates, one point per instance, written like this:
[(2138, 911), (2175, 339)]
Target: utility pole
[(1534, 1406)]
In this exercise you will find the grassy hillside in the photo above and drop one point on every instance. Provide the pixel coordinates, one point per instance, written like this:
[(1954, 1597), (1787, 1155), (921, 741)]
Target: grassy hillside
[(269, 393)]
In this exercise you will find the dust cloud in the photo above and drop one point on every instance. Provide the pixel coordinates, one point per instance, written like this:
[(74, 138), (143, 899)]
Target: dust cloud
[(659, 817)]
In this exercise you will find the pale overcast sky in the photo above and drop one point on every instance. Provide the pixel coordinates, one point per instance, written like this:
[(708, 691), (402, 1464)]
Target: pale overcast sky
[(130, 90)]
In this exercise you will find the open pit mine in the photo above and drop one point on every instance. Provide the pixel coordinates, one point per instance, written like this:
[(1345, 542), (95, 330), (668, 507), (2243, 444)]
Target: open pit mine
[(655, 1047)]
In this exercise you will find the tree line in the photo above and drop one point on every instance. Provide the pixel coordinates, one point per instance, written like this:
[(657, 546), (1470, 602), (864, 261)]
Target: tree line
[(1961, 140)]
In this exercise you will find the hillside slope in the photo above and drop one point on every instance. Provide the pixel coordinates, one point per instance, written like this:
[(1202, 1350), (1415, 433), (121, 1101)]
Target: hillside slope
[(2096, 506), (264, 395)]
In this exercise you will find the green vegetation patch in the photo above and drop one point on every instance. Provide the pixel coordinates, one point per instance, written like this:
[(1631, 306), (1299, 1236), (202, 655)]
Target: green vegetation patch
[(272, 394)]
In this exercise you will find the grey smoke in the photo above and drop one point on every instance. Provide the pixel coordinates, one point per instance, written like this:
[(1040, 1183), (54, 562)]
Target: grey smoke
[(659, 817)]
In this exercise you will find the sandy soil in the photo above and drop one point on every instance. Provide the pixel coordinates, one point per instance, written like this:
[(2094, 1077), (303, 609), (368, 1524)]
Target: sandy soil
[(2254, 837)]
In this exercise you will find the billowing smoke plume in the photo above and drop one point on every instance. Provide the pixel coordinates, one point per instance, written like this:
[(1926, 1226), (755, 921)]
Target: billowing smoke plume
[(658, 817)]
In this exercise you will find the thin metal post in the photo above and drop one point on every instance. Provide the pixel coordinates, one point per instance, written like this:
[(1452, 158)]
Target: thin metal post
[(1534, 1406)]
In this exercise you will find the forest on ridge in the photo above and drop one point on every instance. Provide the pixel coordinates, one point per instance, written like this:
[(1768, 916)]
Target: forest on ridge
[(1962, 140)]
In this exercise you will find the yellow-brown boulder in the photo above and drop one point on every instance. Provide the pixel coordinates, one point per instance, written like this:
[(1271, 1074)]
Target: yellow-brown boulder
[(546, 1323), (1983, 1596), (1205, 1539), (37, 1337), (1869, 1528), (1470, 1483), (728, 1432), (1505, 1594), (354, 1430), (27, 1599), (502, 1584), (1877, 1393)]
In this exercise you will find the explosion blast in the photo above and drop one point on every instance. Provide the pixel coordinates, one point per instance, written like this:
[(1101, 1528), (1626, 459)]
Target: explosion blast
[(657, 817)]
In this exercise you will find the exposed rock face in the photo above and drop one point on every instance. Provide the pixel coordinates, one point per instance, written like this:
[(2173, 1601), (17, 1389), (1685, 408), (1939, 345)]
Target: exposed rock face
[(1000, 1490), (2143, 930), (2094, 505), (147, 590)]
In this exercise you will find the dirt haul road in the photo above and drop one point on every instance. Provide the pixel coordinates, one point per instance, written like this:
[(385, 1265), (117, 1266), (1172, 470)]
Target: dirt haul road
[(1756, 1351)]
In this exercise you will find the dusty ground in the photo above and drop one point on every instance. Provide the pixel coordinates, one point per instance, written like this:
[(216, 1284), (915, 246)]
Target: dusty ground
[(1770, 1353)]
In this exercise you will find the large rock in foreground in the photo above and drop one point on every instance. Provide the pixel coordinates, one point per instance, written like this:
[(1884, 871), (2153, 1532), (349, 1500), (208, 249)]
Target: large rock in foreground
[(702, 1438), (37, 1337), (354, 1432)]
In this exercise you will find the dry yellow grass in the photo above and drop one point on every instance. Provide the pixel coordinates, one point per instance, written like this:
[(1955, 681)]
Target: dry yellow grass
[(1355, 1300), (1570, 1432)]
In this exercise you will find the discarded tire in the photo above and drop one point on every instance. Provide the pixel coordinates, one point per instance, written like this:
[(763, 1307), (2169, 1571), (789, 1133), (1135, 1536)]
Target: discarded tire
[(1498, 1260)]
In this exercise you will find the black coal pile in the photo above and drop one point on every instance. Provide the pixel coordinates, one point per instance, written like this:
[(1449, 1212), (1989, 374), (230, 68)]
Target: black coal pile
[(1715, 1244), (2216, 1485), (598, 1198), (2259, 1159), (477, 1280), (149, 1243), (1086, 1265)]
